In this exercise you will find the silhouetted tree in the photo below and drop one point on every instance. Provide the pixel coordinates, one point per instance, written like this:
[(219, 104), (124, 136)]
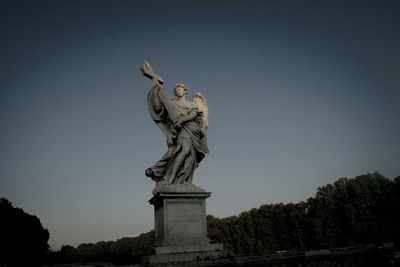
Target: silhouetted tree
[(23, 238)]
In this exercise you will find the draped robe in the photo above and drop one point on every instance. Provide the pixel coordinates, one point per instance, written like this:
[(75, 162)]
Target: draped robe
[(165, 112)]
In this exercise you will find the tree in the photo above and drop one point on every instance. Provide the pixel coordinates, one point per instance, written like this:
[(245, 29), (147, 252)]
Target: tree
[(23, 238)]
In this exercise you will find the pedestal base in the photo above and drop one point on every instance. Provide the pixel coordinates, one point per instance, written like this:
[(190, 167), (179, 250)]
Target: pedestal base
[(188, 248), (181, 228), (181, 257)]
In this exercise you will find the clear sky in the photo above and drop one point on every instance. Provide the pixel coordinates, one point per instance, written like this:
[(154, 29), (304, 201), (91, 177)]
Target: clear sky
[(300, 93)]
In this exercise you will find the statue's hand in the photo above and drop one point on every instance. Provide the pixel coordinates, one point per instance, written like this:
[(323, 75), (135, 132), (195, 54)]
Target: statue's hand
[(157, 87), (178, 123)]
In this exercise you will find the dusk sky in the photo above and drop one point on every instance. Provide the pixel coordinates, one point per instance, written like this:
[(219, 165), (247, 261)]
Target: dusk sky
[(300, 93)]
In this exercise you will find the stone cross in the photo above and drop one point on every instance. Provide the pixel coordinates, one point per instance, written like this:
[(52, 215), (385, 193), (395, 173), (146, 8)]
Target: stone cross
[(149, 73), (157, 80)]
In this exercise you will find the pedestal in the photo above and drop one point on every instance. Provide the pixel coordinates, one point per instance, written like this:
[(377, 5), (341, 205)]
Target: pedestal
[(181, 228)]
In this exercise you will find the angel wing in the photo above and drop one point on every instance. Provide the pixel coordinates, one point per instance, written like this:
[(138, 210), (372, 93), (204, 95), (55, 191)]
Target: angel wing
[(200, 101)]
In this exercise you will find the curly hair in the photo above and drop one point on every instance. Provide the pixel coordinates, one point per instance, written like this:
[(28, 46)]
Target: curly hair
[(181, 85)]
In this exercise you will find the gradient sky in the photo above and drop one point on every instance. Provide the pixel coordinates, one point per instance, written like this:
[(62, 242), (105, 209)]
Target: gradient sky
[(300, 93)]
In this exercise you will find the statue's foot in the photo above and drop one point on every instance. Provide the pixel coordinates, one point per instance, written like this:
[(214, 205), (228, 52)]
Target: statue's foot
[(149, 172)]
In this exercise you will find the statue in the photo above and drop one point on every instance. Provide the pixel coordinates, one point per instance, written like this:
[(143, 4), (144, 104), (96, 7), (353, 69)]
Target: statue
[(185, 124)]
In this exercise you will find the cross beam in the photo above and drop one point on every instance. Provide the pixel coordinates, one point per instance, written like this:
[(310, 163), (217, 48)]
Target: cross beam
[(149, 73)]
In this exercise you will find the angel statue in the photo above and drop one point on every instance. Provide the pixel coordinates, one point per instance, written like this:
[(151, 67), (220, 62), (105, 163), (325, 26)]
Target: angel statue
[(185, 125)]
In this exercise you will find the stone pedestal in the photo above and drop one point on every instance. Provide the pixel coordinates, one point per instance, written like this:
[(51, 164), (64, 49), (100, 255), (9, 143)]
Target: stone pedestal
[(181, 228)]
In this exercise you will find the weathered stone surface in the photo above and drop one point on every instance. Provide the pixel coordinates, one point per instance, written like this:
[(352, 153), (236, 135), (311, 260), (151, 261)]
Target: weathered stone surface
[(189, 248), (179, 206), (181, 228), (176, 188), (184, 124), (189, 257), (180, 219)]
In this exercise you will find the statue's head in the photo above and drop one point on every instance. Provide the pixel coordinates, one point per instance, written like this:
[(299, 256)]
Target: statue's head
[(179, 87)]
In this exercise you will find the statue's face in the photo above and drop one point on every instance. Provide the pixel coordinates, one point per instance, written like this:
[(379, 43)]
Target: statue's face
[(180, 91)]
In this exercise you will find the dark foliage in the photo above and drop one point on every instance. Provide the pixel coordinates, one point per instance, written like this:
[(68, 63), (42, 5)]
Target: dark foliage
[(124, 250), (23, 238), (349, 212)]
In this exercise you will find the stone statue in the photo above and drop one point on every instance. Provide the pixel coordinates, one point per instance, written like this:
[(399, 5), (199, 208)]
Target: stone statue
[(184, 124)]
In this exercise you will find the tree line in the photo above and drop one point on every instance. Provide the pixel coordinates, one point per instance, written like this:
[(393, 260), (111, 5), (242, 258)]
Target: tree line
[(124, 250), (350, 212)]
